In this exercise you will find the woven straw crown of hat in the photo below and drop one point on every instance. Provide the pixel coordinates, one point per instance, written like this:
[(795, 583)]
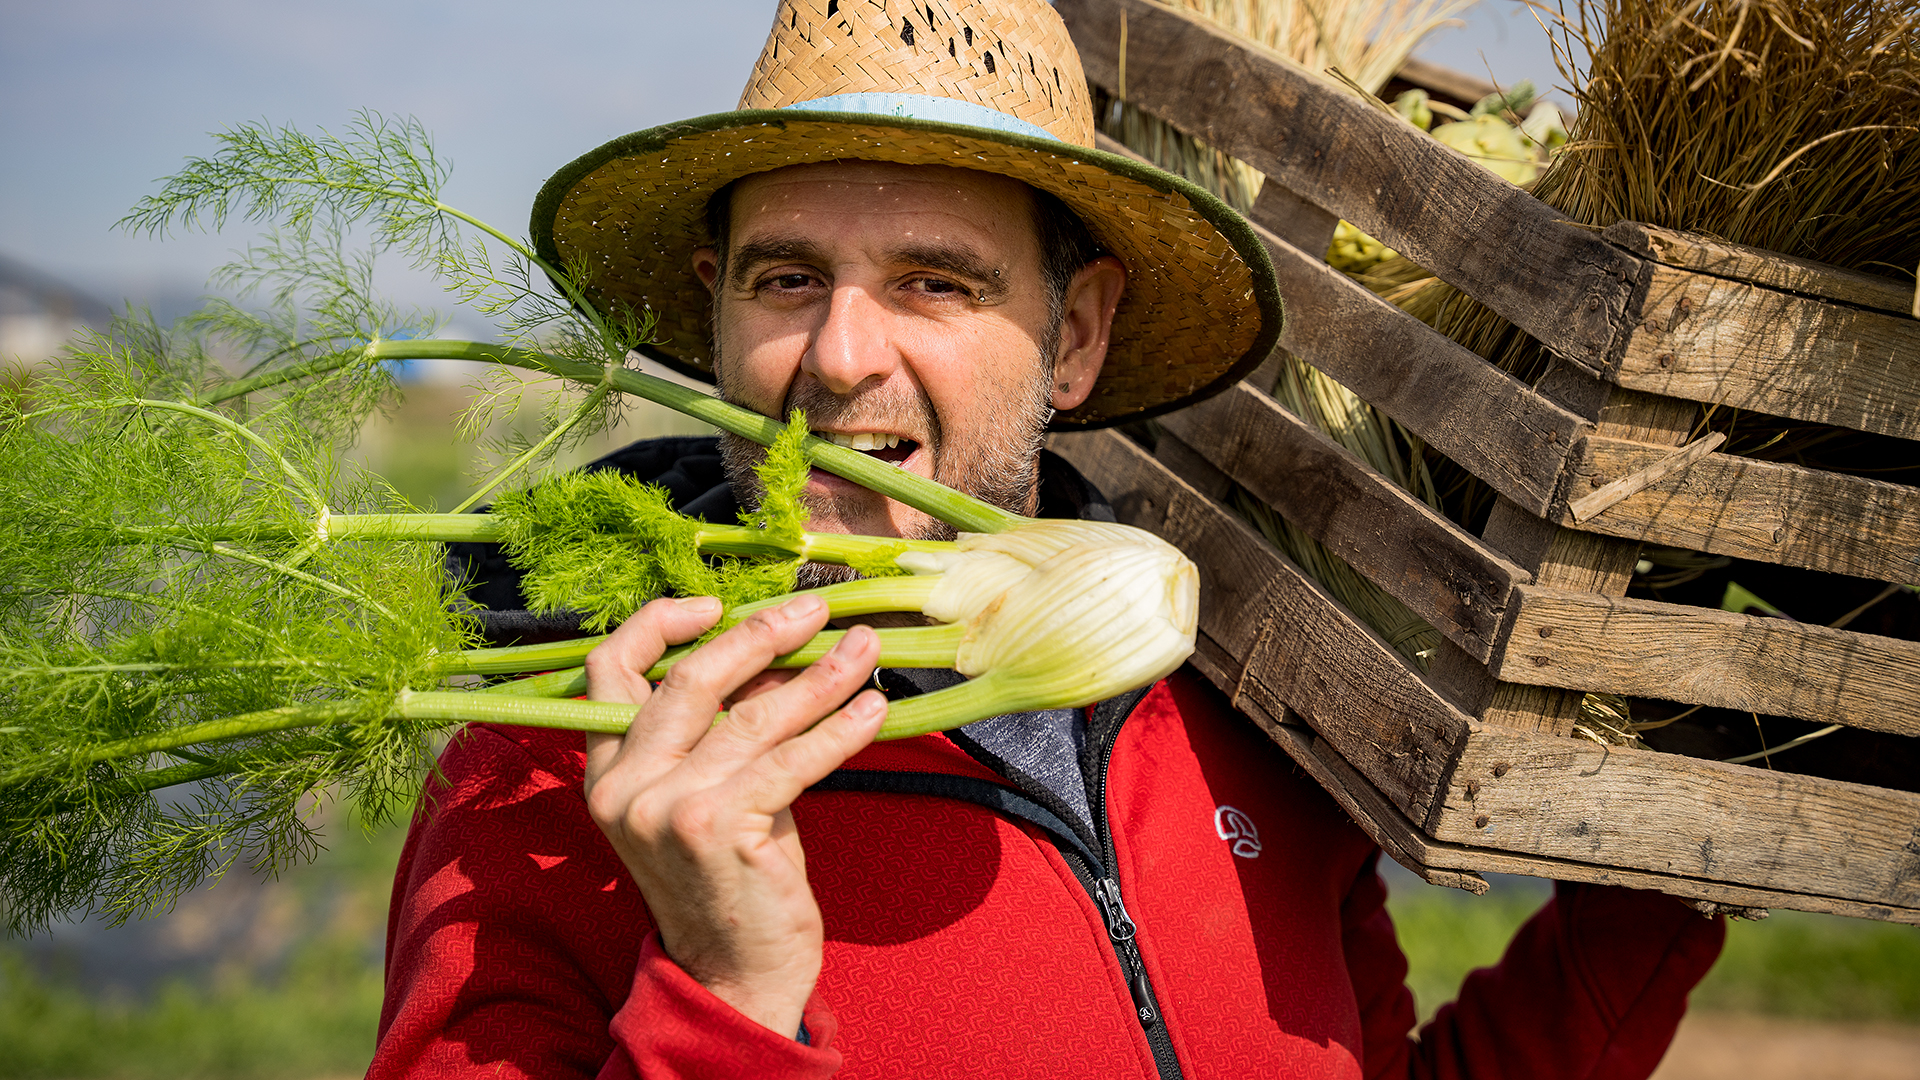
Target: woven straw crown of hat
[(992, 85)]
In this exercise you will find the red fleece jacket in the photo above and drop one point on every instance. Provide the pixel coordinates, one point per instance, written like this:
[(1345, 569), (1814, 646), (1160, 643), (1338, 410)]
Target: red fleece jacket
[(960, 943)]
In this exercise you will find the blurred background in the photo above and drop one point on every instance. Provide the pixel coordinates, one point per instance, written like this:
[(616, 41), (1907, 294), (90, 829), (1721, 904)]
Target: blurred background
[(258, 978)]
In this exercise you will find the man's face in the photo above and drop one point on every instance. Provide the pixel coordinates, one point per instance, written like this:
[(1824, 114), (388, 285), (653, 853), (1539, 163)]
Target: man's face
[(903, 308)]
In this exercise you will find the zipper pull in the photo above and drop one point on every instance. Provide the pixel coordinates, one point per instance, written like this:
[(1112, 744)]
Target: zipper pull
[(1119, 924), (1121, 928)]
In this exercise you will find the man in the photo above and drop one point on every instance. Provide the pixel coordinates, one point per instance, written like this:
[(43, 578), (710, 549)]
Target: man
[(1046, 894)]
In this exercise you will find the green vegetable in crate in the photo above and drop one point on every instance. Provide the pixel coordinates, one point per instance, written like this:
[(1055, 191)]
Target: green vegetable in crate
[(206, 619), (1485, 134), (1353, 251), (1495, 144)]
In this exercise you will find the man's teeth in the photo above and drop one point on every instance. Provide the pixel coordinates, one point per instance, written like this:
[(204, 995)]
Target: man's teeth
[(865, 440)]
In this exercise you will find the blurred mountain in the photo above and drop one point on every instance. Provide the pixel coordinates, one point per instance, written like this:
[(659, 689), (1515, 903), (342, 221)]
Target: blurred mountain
[(40, 313)]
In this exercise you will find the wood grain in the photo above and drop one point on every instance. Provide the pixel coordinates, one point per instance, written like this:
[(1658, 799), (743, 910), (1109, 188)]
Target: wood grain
[(1708, 657), (1364, 805), (1768, 511), (1740, 263), (1493, 425), (1431, 858), (1565, 286), (1639, 810), (1440, 571), (1273, 639), (1279, 211), (1704, 338), (1558, 557), (1587, 506)]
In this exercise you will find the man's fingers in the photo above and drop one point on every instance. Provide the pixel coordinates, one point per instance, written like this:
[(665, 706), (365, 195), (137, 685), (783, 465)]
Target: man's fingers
[(616, 668), (684, 704), (772, 783), (760, 684), (756, 725)]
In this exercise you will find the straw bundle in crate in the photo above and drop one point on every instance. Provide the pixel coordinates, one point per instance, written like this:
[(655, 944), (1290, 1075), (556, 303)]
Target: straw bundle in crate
[(1472, 768)]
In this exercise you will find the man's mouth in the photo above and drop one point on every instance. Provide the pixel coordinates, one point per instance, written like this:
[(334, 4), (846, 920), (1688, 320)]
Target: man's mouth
[(887, 447)]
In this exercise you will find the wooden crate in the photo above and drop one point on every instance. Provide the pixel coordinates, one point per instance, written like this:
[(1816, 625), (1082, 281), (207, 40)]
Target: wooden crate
[(1472, 766)]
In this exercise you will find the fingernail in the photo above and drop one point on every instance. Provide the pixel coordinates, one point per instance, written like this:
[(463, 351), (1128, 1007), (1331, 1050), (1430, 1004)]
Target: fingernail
[(699, 605), (854, 640), (803, 607), (867, 704)]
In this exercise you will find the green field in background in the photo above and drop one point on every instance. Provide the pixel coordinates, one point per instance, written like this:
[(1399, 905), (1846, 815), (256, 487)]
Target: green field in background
[(1814, 967)]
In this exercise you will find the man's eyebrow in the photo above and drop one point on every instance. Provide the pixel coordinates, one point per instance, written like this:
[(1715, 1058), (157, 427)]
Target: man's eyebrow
[(759, 252), (960, 260), (956, 259)]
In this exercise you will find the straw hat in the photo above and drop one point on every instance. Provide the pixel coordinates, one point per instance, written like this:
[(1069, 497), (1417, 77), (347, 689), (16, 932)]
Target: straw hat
[(993, 85)]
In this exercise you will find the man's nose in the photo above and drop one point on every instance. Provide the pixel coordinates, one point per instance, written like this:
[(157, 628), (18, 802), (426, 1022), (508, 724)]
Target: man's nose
[(852, 345)]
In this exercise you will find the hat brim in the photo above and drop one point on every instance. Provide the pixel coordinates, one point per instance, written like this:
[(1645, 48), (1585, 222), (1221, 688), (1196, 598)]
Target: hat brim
[(1201, 309)]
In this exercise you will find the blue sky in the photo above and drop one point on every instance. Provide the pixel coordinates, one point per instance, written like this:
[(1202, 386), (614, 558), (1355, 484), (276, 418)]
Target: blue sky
[(99, 98)]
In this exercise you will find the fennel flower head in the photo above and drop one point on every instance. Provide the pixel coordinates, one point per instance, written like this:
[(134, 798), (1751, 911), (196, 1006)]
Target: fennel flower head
[(1062, 614)]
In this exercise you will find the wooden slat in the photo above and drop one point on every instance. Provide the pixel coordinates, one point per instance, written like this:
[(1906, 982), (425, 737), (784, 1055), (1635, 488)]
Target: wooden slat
[(1491, 424), (1560, 558), (1768, 511), (1563, 285), (1721, 259), (1433, 858), (1279, 211), (1709, 657), (1612, 493), (1364, 805), (1272, 639), (1440, 571), (1576, 800), (1704, 338)]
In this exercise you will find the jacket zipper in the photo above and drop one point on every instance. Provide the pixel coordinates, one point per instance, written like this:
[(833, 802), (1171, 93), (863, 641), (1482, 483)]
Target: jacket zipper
[(1121, 929), (1100, 876), (1120, 925)]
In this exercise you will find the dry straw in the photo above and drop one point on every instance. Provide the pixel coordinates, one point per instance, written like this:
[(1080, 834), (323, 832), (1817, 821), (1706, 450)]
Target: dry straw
[(1793, 127)]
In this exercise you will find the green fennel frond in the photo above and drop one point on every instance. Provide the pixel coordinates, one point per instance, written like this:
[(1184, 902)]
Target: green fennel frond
[(208, 620)]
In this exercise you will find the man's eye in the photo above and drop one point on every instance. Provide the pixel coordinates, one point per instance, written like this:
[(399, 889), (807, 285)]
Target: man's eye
[(789, 281), (938, 287)]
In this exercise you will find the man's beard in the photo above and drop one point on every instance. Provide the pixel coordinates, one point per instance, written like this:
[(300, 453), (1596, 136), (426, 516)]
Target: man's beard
[(1001, 468)]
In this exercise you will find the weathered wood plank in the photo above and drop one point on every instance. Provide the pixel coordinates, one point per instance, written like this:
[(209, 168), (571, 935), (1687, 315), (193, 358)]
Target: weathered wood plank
[(1493, 425), (1693, 251), (1708, 657), (1560, 557), (1769, 511), (1704, 338), (1440, 571), (1279, 211), (1565, 286), (1293, 218), (1429, 857), (1586, 507), (1636, 809), (1292, 644), (1363, 804)]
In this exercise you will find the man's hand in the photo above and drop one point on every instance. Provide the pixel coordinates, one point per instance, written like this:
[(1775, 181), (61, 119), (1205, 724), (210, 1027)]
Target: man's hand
[(699, 813)]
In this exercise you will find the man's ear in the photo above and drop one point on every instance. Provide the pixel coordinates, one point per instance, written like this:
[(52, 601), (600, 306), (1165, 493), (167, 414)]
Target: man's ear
[(706, 264), (1085, 326)]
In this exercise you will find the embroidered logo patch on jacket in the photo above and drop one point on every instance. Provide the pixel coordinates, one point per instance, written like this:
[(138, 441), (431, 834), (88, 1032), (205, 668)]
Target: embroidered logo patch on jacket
[(1236, 828)]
